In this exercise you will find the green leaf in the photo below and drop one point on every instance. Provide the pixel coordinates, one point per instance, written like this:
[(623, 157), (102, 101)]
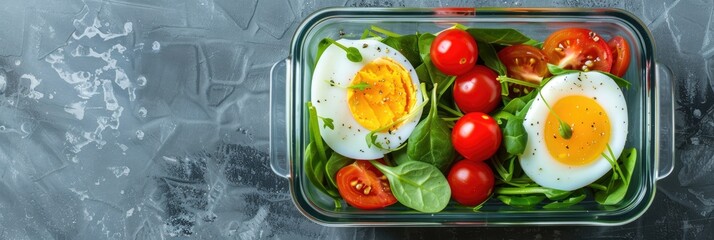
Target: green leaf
[(417, 185), (425, 41), (618, 80), (400, 156), (566, 203), (438, 79), (334, 164), (618, 185), (515, 136), (328, 123), (315, 136), (430, 142), (352, 53), (315, 173), (321, 46), (360, 86), (487, 53), (555, 70), (524, 201), (503, 36), (407, 45), (423, 75)]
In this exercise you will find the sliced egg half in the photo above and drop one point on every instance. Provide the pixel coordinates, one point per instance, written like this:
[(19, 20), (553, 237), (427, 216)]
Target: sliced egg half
[(594, 106), (381, 93)]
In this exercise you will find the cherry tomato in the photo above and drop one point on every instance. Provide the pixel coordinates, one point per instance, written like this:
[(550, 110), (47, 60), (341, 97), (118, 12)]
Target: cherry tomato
[(578, 48), (526, 63), (476, 136), (363, 186), (477, 90), (620, 55), (454, 52), (471, 182)]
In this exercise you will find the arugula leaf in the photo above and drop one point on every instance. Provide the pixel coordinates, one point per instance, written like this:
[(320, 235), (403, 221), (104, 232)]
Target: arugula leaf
[(502, 36), (417, 185), (430, 142), (360, 86), (487, 53), (333, 165), (407, 45)]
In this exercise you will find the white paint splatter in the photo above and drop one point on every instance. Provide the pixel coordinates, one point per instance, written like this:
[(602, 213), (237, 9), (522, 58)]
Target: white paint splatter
[(140, 134), (109, 99), (93, 30), (156, 46), (130, 212), (18, 62), (34, 82), (120, 171), (82, 194), (76, 109), (141, 81), (142, 112)]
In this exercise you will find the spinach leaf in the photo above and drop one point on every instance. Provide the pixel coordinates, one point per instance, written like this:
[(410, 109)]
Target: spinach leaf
[(521, 201), (430, 142), (555, 70), (502, 36), (487, 53), (515, 136), (552, 194), (334, 164), (423, 75), (407, 45), (400, 156), (567, 202), (439, 80), (617, 185), (314, 171), (425, 41), (417, 185)]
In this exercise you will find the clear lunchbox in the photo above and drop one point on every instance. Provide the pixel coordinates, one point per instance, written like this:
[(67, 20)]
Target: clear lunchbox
[(649, 99)]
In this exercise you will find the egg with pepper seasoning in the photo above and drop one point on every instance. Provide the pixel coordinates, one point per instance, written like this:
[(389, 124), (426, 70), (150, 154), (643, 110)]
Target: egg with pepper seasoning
[(593, 105), (380, 93)]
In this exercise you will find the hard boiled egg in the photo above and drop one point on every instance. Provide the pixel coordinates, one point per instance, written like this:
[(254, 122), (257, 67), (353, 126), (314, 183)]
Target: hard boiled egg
[(594, 106), (381, 93)]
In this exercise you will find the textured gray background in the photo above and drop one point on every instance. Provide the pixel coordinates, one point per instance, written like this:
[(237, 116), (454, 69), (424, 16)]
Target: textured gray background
[(129, 119)]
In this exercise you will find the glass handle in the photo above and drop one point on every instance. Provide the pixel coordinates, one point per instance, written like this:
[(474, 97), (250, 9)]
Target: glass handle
[(278, 128), (664, 113)]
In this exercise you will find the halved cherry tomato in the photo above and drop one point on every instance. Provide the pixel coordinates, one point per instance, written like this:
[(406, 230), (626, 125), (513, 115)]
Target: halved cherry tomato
[(620, 55), (526, 63), (363, 186), (471, 182), (476, 136), (454, 52), (477, 90), (578, 48)]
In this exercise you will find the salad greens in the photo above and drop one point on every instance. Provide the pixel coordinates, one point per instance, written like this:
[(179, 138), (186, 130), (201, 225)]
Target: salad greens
[(417, 185), (415, 172), (430, 142)]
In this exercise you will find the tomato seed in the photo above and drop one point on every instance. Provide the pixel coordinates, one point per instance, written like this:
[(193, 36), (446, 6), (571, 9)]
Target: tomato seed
[(359, 186), (353, 183), (367, 190)]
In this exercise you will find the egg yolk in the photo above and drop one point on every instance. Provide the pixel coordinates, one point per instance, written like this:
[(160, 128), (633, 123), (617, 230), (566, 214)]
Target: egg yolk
[(381, 93), (591, 130)]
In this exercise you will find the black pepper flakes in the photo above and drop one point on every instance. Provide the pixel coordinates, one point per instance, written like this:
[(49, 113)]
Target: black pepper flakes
[(364, 45)]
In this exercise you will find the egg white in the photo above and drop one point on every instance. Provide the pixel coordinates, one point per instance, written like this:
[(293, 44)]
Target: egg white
[(348, 137), (538, 163)]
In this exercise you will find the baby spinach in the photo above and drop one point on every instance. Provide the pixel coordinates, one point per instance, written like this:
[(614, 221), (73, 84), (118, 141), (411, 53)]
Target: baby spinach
[(555, 71), (425, 41), (515, 136), (321, 46), (487, 53), (552, 194), (430, 142), (566, 202), (314, 171), (521, 201), (502, 36), (400, 156), (407, 45), (417, 185), (334, 164), (617, 184)]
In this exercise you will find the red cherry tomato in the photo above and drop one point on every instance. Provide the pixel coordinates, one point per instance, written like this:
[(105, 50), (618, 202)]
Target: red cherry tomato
[(578, 48), (471, 182), (454, 52), (620, 55), (477, 90), (476, 136), (362, 186), (526, 63)]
